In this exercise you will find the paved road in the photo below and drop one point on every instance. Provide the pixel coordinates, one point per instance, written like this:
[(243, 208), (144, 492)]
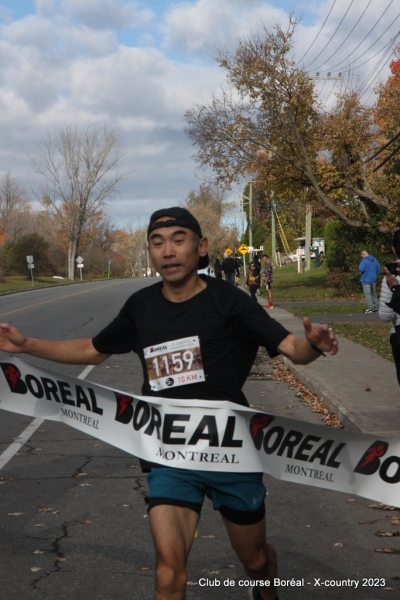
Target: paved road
[(73, 521)]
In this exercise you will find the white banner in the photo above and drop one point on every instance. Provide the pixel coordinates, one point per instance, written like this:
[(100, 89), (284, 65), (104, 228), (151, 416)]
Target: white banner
[(208, 435)]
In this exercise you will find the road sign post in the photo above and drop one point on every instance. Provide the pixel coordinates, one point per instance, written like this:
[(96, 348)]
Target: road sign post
[(243, 249), (79, 260), (31, 266)]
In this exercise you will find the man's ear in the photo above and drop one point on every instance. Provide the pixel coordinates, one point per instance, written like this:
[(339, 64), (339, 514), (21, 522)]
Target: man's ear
[(203, 246)]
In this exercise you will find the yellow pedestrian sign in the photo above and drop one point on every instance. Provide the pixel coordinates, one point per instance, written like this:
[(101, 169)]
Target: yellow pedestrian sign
[(243, 249)]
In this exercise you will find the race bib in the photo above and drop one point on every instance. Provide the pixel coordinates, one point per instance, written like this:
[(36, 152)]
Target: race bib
[(174, 363)]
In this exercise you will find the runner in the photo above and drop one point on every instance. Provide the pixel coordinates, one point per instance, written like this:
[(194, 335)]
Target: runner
[(220, 329)]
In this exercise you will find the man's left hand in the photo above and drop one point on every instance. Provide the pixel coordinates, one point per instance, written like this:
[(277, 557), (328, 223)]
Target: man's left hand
[(321, 336)]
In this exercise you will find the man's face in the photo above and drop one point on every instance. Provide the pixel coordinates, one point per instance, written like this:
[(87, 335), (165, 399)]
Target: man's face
[(175, 252)]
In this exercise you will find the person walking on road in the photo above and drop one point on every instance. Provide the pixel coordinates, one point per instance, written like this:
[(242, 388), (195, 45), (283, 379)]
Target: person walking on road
[(253, 280), (267, 279), (218, 268), (229, 268), (227, 328), (369, 268), (389, 307)]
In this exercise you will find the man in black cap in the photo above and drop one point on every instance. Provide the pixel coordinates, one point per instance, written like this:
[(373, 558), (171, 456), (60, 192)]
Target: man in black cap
[(221, 328)]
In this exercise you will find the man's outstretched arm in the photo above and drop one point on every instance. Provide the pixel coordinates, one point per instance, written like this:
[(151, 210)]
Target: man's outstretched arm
[(73, 352), (317, 340)]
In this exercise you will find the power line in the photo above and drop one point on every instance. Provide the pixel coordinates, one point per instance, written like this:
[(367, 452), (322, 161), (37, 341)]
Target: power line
[(349, 34), (332, 36), (382, 60), (379, 51), (316, 37), (363, 40)]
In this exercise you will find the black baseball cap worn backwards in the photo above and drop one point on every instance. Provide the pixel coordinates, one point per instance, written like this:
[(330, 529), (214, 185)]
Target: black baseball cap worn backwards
[(181, 217)]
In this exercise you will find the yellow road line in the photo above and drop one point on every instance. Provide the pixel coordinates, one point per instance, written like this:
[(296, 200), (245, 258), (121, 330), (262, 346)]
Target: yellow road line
[(56, 299)]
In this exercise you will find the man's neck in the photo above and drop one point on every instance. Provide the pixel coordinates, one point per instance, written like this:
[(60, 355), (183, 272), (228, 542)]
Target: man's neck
[(183, 291)]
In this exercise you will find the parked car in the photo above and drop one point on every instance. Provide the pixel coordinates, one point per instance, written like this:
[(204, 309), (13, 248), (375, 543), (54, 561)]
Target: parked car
[(315, 243), (207, 271)]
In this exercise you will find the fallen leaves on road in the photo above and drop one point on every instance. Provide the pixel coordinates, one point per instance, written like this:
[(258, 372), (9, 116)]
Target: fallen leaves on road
[(387, 550), (281, 373), (383, 507), (383, 533)]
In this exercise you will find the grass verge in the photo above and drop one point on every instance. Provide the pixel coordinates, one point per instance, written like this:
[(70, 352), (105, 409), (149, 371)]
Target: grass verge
[(371, 335), (290, 286), (19, 283)]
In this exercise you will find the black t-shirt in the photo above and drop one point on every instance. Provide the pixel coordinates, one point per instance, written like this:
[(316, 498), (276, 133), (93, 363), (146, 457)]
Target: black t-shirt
[(208, 342), (229, 265)]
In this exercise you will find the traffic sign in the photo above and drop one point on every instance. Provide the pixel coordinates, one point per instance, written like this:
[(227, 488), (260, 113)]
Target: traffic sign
[(243, 249)]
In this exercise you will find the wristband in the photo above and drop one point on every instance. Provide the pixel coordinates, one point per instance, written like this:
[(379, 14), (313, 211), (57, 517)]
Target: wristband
[(317, 350)]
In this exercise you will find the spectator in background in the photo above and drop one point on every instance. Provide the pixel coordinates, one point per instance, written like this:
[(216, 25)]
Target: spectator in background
[(267, 279), (253, 280), (389, 307), (218, 269), (229, 267), (369, 268)]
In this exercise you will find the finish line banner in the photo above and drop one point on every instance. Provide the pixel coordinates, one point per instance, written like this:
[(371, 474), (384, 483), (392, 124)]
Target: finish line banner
[(208, 435)]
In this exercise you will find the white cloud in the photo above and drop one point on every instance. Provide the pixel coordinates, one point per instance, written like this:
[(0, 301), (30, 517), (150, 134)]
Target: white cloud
[(206, 25), (45, 8), (108, 14), (123, 64)]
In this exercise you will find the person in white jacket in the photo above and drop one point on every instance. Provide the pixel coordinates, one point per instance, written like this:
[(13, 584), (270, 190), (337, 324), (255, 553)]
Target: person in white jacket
[(387, 306)]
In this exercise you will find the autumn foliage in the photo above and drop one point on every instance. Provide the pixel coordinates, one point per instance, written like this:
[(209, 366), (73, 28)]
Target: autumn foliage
[(268, 124)]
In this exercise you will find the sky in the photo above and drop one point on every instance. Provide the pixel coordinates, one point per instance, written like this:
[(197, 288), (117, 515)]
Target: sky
[(137, 66)]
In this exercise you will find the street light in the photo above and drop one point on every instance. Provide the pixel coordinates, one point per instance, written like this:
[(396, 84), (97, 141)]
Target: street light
[(250, 201)]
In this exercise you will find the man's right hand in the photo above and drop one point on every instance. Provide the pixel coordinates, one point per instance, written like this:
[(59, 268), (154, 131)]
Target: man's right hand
[(11, 339)]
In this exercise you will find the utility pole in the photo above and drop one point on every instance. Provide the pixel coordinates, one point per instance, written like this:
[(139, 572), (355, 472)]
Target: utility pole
[(308, 237), (250, 214), (273, 235)]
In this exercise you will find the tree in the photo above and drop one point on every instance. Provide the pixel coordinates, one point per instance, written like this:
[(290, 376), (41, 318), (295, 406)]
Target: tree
[(209, 206), (80, 175), (136, 253), (34, 245), (267, 123), (386, 115), (15, 210)]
